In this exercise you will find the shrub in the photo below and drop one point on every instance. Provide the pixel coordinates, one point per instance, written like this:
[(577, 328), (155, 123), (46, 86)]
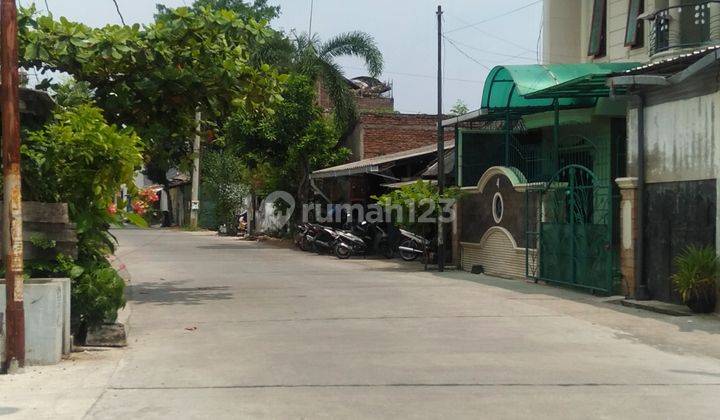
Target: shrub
[(697, 272), (80, 159), (97, 294)]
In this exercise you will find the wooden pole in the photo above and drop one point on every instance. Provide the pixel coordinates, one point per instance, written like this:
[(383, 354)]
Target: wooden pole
[(195, 205), (440, 148), (12, 198)]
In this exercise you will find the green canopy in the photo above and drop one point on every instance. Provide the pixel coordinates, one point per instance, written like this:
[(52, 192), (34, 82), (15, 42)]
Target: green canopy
[(527, 89)]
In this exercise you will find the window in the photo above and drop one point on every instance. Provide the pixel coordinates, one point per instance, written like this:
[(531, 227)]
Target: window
[(635, 30), (598, 31), (498, 208)]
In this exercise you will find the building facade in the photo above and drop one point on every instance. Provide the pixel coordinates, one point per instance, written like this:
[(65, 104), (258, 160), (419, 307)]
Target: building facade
[(614, 151)]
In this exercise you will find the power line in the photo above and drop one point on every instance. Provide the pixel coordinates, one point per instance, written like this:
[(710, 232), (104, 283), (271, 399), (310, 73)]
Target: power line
[(117, 7), (460, 50), (472, 25), (539, 39), (312, 10), (528, 50), (519, 56), (47, 8), (422, 76)]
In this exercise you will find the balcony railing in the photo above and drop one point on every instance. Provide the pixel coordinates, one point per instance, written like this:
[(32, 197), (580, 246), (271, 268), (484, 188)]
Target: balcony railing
[(685, 26)]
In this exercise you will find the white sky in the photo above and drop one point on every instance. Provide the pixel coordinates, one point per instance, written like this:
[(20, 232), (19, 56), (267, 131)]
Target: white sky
[(404, 29)]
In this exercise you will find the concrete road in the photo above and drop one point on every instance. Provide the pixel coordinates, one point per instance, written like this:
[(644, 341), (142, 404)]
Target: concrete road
[(221, 328)]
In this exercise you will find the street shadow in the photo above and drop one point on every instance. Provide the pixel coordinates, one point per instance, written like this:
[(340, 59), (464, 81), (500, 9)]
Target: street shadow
[(542, 291), (6, 411), (695, 372), (230, 247), (173, 293)]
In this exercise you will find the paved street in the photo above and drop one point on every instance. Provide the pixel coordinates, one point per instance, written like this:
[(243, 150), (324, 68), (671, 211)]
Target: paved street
[(221, 328)]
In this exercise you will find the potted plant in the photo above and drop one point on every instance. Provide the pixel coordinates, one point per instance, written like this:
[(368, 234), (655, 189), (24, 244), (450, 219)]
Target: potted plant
[(698, 269)]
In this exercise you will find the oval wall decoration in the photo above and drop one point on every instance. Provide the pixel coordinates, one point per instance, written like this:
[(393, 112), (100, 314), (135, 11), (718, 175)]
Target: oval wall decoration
[(498, 207)]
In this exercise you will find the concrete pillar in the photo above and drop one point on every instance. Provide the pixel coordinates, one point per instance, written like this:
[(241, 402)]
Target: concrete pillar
[(628, 233), (714, 16), (456, 232), (674, 25)]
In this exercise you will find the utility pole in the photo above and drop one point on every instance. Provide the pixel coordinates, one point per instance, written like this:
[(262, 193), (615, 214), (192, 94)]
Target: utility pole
[(195, 196), (12, 199), (440, 148)]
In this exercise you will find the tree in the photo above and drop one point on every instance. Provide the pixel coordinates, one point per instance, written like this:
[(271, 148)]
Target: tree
[(289, 143), (258, 9), (460, 108), (152, 78), (316, 60)]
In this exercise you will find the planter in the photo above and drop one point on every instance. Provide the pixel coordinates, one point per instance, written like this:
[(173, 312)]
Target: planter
[(702, 304), (47, 320)]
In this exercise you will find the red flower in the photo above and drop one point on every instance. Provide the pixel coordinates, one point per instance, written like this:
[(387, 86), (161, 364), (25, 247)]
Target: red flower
[(139, 207), (112, 209)]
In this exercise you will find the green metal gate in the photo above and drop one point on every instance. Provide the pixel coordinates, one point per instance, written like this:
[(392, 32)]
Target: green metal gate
[(575, 230)]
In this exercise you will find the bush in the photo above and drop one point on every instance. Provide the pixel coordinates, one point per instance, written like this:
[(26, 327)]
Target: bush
[(697, 272), (224, 179), (80, 159), (97, 294)]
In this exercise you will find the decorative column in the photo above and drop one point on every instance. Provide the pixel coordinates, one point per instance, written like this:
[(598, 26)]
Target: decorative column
[(674, 23), (456, 232), (628, 233)]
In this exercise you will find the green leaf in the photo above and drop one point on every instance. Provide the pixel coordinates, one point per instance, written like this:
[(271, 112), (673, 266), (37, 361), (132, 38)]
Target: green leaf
[(137, 220)]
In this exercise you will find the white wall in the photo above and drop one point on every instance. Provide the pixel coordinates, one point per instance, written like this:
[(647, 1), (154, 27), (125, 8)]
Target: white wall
[(567, 25)]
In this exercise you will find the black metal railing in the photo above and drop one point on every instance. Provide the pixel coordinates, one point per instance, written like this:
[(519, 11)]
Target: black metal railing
[(685, 26)]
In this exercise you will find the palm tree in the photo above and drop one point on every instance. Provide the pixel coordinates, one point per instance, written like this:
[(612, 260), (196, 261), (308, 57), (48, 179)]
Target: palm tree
[(316, 59)]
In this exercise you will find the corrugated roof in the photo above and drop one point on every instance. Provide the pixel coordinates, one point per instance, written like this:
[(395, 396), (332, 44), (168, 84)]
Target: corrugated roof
[(377, 164), (670, 65)]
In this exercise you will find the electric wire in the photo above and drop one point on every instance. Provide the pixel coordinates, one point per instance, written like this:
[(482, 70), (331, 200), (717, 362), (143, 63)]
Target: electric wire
[(472, 25), (117, 7), (468, 56)]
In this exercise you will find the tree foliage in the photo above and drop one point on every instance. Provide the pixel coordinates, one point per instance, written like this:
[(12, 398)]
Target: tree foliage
[(257, 9), (225, 178), (318, 61), (288, 144), (421, 199), (460, 108), (154, 77), (81, 160)]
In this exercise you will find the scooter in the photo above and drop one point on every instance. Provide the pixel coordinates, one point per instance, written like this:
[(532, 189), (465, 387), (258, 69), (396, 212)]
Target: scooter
[(376, 239), (321, 238), (349, 244), (301, 231), (412, 246)]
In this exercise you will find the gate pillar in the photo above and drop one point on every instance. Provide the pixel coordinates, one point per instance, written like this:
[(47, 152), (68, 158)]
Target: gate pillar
[(628, 233)]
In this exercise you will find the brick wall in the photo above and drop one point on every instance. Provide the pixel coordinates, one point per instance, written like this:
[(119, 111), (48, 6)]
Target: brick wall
[(368, 104), (386, 133)]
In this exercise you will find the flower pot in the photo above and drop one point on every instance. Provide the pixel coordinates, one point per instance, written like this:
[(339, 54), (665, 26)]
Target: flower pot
[(702, 303)]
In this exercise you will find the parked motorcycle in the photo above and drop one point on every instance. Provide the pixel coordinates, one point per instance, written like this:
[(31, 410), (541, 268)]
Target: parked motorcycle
[(376, 239), (301, 240), (321, 238), (412, 246), (349, 244)]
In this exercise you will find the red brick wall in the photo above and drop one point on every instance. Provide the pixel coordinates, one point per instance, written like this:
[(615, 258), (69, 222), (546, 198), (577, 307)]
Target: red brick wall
[(368, 104), (386, 133)]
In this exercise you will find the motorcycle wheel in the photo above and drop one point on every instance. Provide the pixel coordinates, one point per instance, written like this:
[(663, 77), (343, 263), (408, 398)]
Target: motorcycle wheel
[(304, 244), (408, 255), (342, 252)]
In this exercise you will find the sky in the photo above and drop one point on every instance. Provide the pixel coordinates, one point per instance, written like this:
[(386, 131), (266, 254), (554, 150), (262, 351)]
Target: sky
[(405, 31)]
